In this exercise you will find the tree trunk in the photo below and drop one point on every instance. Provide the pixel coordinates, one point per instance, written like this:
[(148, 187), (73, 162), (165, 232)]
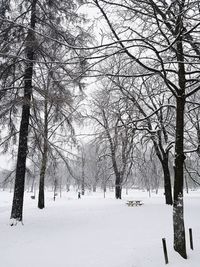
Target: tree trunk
[(178, 218), (164, 160), (83, 177), (94, 188), (118, 187), (55, 189), (82, 188), (167, 182), (33, 184), (104, 191), (41, 199), (60, 187), (18, 198)]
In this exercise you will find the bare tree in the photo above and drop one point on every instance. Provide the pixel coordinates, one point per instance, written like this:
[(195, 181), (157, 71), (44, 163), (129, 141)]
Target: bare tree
[(109, 117), (163, 44), (142, 97)]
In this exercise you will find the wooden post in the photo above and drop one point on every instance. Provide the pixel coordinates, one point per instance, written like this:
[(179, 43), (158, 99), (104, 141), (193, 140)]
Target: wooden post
[(165, 250), (191, 239)]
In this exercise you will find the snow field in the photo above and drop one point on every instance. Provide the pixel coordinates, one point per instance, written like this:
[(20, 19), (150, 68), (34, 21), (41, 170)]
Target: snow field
[(95, 232)]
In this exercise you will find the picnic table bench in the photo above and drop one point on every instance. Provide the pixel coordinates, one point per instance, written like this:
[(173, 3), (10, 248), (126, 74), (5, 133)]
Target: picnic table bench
[(134, 203)]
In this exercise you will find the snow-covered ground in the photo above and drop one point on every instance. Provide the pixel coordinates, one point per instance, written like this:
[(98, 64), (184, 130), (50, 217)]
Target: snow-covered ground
[(95, 232)]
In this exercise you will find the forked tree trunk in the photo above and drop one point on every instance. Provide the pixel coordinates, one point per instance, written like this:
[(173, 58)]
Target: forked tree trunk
[(18, 198), (164, 160)]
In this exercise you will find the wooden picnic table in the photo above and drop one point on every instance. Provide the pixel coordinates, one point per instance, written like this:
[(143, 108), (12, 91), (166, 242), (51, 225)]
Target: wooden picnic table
[(134, 203)]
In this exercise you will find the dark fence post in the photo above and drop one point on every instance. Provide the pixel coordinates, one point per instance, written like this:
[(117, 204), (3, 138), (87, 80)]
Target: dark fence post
[(191, 238), (165, 250)]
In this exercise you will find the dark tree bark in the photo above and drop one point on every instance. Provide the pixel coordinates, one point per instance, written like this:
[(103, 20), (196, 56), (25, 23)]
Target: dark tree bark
[(167, 181), (94, 188), (41, 198), (178, 218), (118, 186), (83, 186), (18, 198), (41, 202), (164, 160)]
